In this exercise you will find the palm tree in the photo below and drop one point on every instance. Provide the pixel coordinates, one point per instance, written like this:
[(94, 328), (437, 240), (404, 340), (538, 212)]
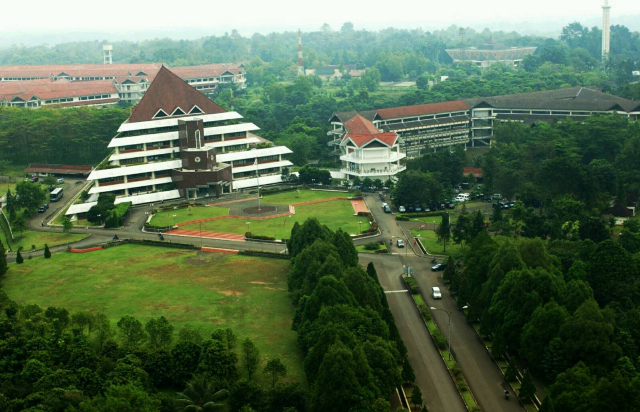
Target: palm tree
[(200, 395)]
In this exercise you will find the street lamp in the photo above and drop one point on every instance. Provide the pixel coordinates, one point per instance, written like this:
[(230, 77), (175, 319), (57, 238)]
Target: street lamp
[(360, 227), (449, 315), (174, 220), (284, 226), (248, 227)]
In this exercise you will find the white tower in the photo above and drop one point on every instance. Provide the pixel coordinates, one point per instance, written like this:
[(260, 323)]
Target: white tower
[(106, 52), (606, 30), (300, 65)]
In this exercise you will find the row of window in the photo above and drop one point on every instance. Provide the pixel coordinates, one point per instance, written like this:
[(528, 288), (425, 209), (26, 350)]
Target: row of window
[(245, 162), (95, 97), (62, 100), (167, 129), (426, 117), (252, 173)]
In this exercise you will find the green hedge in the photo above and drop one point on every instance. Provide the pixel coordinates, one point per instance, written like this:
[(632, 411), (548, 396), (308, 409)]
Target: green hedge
[(412, 284), (407, 216)]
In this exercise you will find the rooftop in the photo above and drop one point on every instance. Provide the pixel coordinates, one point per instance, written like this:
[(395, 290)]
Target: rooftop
[(167, 93), (47, 89)]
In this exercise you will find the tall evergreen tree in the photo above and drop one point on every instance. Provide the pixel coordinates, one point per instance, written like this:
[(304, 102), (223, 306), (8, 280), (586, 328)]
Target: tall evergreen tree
[(47, 252), (3, 260)]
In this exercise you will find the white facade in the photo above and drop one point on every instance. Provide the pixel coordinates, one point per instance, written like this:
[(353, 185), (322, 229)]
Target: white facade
[(374, 159)]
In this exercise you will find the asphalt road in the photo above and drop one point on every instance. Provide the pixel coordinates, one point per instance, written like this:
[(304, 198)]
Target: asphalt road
[(439, 392), (484, 376)]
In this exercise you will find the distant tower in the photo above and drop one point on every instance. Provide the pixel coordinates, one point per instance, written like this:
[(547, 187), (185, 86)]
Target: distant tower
[(106, 52), (300, 65), (606, 30), (462, 33)]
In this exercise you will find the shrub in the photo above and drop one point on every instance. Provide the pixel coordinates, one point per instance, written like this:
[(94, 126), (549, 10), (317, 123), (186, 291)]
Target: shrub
[(372, 246), (425, 312), (402, 218), (462, 385), (440, 340), (382, 251), (456, 371), (413, 285), (248, 235), (19, 258), (47, 252)]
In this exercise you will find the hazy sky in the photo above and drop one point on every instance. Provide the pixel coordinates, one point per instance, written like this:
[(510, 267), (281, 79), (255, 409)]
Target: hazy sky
[(264, 15)]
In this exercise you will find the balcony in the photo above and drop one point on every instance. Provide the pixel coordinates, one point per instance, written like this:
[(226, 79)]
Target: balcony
[(388, 159), (375, 173)]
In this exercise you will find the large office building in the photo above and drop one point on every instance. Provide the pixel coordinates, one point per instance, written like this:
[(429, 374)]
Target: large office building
[(178, 143), (470, 122), (130, 82), (490, 54)]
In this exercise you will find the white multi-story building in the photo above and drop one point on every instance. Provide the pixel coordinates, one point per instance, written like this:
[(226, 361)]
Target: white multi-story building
[(368, 152), (178, 143)]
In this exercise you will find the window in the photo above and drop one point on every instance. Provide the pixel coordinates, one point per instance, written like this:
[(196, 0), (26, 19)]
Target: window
[(159, 113), (198, 141), (195, 110), (177, 112)]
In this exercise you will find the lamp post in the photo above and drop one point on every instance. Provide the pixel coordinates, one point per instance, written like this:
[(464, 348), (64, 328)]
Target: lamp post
[(284, 227), (449, 315), (359, 227), (174, 220), (200, 235)]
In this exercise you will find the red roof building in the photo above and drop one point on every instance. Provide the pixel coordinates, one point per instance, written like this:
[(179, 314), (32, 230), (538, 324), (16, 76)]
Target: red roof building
[(36, 93), (368, 152), (57, 169)]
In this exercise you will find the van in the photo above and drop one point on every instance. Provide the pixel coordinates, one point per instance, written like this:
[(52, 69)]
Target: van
[(60, 181)]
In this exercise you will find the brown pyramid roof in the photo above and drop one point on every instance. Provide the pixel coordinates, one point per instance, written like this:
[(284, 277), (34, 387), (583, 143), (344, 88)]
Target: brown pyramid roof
[(168, 92)]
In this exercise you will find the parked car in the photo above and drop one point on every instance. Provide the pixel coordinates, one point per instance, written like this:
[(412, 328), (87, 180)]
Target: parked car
[(497, 196), (381, 197), (34, 179), (451, 205), (387, 209), (384, 205), (78, 182), (60, 181), (401, 209), (411, 209), (418, 209), (41, 209), (439, 267), (400, 243), (46, 206), (435, 293)]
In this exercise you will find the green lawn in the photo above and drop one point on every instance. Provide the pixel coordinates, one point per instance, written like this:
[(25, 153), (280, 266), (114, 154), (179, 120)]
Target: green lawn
[(299, 196), (4, 186), (335, 214), (28, 238), (204, 290), (430, 241), (165, 218)]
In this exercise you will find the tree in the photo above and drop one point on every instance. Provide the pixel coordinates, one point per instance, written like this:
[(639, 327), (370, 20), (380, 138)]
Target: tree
[(217, 361), (30, 196), (3, 260), (528, 389), (202, 395), (416, 396), (160, 332), (347, 27), (444, 231), (50, 180), (103, 330), (47, 252), (275, 369), (67, 225), (131, 332), (250, 356), (19, 258), (122, 398)]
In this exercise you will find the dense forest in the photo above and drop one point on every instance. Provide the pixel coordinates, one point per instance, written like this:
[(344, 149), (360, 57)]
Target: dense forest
[(554, 281)]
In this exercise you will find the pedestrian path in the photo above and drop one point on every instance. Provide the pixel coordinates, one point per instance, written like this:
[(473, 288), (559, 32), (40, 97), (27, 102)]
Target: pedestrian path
[(359, 206), (211, 235)]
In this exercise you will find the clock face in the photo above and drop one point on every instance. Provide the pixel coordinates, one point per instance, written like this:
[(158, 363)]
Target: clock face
[(197, 159)]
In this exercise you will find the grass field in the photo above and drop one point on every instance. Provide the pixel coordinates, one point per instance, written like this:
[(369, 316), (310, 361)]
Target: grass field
[(430, 241), (204, 290), (4, 186), (165, 218), (335, 214), (29, 238)]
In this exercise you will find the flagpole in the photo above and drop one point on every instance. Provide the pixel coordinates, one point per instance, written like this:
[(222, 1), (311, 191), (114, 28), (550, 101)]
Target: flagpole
[(258, 181)]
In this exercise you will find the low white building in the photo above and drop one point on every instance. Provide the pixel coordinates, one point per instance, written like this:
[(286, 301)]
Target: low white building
[(367, 152)]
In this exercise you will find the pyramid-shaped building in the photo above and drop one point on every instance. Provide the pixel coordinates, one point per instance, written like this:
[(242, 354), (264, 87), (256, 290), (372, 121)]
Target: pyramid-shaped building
[(178, 143)]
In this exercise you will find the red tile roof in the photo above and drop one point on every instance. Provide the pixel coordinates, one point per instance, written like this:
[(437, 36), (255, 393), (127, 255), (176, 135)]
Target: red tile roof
[(207, 70), (167, 92), (362, 132), (47, 89), (57, 168), (422, 109), (475, 171), (359, 125)]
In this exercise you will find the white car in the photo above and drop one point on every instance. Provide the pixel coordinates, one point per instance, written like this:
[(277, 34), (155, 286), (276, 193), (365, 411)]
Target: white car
[(401, 209), (435, 293), (384, 205)]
